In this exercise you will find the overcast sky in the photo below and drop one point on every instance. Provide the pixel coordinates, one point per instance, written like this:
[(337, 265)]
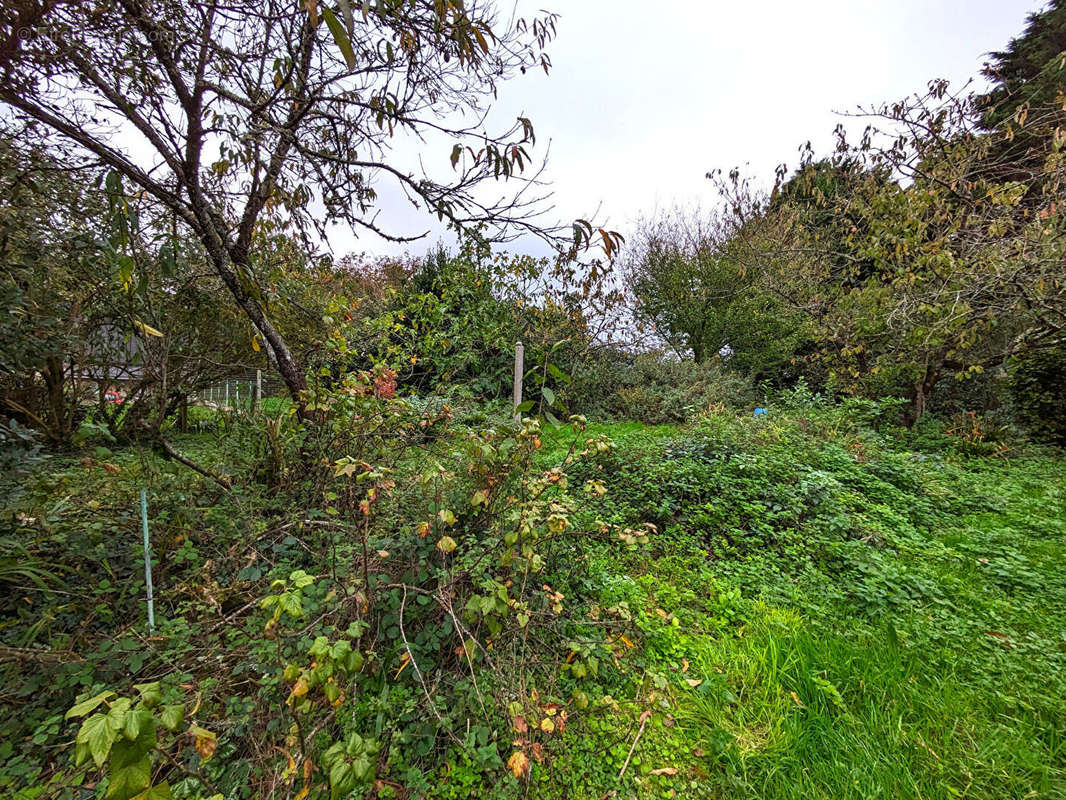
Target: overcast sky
[(646, 97)]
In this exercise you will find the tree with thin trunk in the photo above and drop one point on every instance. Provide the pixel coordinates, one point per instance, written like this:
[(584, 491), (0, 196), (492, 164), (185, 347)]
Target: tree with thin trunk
[(249, 114)]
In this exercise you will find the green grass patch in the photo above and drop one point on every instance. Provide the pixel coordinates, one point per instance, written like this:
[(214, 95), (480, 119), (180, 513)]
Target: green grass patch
[(825, 614)]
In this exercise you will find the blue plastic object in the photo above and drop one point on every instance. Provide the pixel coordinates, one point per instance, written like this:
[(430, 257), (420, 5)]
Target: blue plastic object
[(760, 411)]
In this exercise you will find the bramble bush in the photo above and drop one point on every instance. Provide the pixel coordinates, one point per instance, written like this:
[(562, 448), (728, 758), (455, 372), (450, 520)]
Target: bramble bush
[(405, 603)]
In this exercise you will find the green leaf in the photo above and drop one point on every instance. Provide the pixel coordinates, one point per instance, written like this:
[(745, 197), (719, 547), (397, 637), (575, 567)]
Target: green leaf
[(130, 771), (558, 374), (118, 711), (332, 692), (522, 408), (341, 780), (136, 720), (354, 661), (84, 707), (549, 395), (161, 791), (167, 261), (291, 604), (340, 36), (97, 736), (172, 717), (151, 696), (361, 767), (554, 420)]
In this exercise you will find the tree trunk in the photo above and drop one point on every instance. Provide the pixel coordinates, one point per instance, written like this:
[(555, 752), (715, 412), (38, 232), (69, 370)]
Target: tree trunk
[(53, 374), (290, 371), (924, 387)]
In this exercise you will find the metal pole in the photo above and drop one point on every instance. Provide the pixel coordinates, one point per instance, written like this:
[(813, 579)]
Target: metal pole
[(147, 562), (227, 394), (519, 357), (258, 389)]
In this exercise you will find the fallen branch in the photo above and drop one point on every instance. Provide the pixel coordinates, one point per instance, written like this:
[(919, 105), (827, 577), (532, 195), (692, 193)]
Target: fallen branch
[(31, 654), (167, 448)]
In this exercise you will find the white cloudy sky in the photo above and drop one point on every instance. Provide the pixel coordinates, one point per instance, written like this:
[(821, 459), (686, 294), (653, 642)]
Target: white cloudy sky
[(646, 97)]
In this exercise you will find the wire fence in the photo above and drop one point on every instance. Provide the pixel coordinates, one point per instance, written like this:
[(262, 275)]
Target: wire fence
[(244, 391)]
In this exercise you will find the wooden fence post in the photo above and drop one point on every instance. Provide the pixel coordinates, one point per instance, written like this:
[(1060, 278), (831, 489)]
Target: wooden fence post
[(519, 357)]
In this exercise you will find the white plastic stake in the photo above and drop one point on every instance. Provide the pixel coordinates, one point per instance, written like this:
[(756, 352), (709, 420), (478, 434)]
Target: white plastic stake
[(147, 562)]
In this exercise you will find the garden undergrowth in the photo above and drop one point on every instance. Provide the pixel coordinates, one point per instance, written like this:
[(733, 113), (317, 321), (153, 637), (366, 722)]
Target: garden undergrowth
[(819, 609), (825, 613)]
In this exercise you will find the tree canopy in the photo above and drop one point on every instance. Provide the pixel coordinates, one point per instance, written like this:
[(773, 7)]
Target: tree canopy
[(255, 115)]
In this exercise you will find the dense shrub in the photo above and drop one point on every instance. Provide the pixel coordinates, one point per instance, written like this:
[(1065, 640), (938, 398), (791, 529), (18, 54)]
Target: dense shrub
[(1038, 391), (653, 388)]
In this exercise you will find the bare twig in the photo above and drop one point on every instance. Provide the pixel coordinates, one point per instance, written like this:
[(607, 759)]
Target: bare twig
[(418, 672), (643, 722)]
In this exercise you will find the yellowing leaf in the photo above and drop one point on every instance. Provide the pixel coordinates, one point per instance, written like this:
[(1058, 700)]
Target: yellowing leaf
[(205, 741), (446, 544), (518, 763), (146, 329)]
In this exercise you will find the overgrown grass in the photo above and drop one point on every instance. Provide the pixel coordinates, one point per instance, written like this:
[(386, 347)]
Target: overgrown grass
[(826, 615)]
